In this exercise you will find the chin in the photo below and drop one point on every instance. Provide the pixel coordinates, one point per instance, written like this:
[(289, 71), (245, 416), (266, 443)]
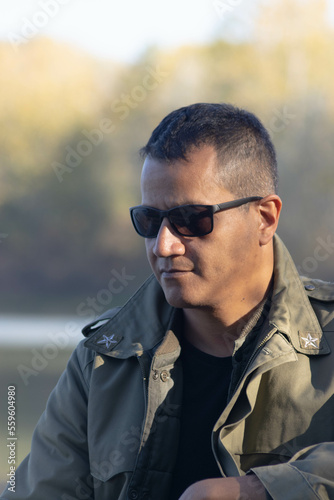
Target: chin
[(180, 300)]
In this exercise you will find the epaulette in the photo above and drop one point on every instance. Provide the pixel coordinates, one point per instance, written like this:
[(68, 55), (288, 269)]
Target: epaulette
[(318, 289)]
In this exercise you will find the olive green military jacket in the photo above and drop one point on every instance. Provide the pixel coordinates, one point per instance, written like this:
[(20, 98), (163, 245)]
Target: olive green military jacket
[(110, 429)]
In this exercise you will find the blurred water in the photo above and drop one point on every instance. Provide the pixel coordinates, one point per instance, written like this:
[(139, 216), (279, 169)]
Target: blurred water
[(18, 330)]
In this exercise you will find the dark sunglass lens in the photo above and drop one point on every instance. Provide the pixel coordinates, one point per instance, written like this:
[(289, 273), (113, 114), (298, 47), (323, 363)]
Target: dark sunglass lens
[(193, 220), (146, 222)]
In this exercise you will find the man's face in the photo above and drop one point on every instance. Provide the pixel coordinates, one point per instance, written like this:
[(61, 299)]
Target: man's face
[(202, 271)]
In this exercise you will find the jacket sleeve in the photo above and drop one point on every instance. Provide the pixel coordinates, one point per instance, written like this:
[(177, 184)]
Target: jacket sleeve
[(309, 474), (57, 467)]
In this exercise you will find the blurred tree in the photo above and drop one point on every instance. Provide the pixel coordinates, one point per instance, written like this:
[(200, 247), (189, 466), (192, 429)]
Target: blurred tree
[(72, 127)]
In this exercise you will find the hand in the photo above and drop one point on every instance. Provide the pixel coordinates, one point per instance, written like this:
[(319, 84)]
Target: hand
[(229, 488)]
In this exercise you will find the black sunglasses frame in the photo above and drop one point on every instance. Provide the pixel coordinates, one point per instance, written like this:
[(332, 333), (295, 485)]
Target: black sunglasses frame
[(212, 209)]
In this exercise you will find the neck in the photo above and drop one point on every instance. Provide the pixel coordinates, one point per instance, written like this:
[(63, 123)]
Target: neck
[(215, 331)]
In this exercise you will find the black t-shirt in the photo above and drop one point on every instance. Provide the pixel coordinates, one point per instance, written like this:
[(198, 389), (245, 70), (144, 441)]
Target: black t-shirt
[(205, 389)]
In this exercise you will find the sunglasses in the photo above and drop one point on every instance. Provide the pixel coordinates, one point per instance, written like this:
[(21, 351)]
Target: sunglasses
[(186, 220)]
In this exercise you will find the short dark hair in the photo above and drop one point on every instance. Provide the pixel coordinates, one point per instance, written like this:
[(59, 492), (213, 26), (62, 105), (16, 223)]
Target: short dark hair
[(246, 155)]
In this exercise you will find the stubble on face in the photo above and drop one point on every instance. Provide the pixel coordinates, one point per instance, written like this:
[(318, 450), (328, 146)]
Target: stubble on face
[(198, 272)]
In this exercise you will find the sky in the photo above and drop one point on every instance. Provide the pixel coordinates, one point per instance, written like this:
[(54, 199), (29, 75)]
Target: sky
[(121, 30)]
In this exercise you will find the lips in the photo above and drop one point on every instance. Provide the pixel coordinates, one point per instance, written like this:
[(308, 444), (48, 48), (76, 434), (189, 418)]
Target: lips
[(173, 273)]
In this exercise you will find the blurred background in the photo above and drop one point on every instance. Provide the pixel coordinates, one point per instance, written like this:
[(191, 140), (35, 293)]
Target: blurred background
[(83, 84)]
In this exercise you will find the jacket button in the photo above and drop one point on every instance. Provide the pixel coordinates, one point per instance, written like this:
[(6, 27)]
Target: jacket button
[(309, 287), (155, 375), (164, 375), (133, 494)]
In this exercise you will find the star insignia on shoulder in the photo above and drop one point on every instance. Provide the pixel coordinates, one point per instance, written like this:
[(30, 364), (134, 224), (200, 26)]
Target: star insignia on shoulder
[(107, 341), (309, 342)]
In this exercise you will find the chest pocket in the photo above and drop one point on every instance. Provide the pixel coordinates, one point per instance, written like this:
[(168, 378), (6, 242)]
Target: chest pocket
[(115, 414)]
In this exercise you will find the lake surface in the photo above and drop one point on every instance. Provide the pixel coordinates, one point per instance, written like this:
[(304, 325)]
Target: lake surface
[(19, 330)]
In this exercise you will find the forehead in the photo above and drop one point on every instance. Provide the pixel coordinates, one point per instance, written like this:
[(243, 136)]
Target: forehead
[(194, 180)]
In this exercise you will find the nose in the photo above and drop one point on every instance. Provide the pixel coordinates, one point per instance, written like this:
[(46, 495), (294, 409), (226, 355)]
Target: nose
[(168, 242)]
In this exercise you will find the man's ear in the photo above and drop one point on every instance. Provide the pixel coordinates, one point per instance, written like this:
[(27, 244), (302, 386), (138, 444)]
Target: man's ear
[(269, 212)]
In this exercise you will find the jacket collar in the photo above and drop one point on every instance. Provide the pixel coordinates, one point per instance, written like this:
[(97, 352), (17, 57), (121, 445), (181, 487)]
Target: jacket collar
[(138, 326), (291, 311), (130, 333)]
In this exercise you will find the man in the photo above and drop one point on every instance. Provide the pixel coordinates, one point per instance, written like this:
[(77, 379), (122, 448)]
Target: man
[(216, 379)]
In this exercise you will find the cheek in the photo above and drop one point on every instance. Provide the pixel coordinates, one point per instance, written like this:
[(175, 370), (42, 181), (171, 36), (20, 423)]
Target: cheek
[(243, 247), (150, 255), (149, 249), (228, 249)]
